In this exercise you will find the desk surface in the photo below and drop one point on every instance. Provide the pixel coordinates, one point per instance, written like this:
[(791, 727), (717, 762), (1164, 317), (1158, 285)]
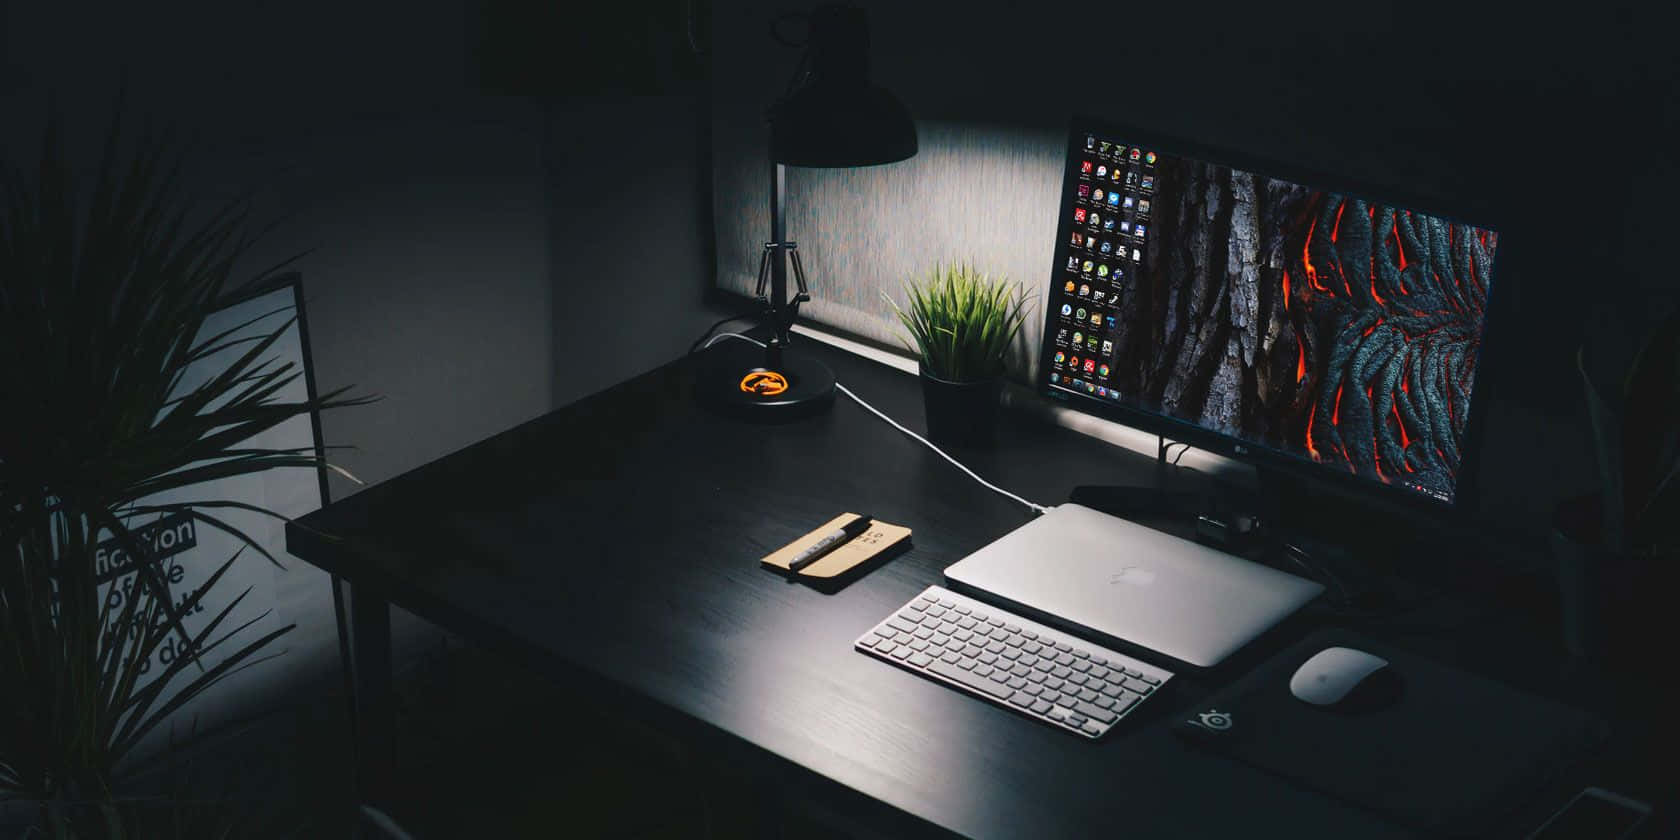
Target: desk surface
[(616, 542)]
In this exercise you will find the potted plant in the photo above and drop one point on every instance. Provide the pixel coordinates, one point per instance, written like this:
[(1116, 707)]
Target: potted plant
[(963, 323), (104, 291), (1616, 547)]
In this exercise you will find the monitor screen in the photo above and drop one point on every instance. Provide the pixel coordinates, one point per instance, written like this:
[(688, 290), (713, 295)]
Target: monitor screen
[(1339, 332)]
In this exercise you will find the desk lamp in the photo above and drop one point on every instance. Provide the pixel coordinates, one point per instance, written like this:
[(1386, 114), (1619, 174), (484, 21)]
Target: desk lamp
[(831, 116)]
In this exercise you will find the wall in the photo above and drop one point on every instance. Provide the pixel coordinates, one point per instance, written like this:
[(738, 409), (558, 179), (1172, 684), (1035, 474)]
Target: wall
[(1550, 123), (471, 245)]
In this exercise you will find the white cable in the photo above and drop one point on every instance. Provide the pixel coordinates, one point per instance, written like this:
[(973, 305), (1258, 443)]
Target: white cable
[(895, 424)]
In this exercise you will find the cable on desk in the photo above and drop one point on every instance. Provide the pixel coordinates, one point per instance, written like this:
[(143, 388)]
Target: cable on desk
[(895, 424)]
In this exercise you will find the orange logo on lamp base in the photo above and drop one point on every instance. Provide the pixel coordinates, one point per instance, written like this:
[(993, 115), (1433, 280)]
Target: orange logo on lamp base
[(764, 383)]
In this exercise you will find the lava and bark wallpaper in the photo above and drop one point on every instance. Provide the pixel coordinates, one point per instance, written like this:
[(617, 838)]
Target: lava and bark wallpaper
[(1309, 321)]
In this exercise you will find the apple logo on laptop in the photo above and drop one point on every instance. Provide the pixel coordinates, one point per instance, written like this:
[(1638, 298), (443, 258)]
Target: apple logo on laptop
[(1134, 575)]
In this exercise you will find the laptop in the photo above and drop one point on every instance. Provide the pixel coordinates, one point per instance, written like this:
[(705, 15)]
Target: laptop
[(1108, 578)]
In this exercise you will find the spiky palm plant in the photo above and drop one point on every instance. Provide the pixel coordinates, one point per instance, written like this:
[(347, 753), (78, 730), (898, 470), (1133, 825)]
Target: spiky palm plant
[(962, 322), (104, 290)]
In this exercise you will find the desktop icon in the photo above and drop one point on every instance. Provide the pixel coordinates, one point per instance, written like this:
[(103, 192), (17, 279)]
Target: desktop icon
[(1085, 290), (1091, 342), (1079, 313), (1114, 199), (1107, 247), (1128, 204), (1102, 171), (1061, 335), (1143, 206), (1149, 158), (1096, 321), (1090, 140), (1086, 266), (1079, 214), (1149, 182), (1090, 387), (1113, 394), (1078, 338), (1096, 195), (1068, 287), (1137, 256), (1101, 391), (1054, 378), (1060, 357), (1108, 224), (1111, 320), (1108, 348), (1102, 270), (1085, 167), (1084, 190), (1140, 230), (1125, 227), (1116, 175), (1078, 239), (1090, 365), (1093, 219), (1073, 264), (1105, 145), (1078, 383), (1136, 153), (1103, 371), (1066, 309), (1114, 296), (1073, 362), (1131, 178)]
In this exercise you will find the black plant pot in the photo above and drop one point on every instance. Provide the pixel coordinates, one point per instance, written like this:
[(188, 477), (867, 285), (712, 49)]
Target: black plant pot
[(1608, 601), (961, 413)]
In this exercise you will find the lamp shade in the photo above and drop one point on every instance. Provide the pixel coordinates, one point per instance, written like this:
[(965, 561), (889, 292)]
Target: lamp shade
[(837, 116)]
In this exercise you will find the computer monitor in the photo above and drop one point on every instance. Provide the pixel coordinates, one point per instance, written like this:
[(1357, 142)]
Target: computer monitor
[(1303, 326)]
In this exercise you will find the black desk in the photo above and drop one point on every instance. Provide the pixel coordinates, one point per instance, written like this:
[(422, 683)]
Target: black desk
[(615, 541)]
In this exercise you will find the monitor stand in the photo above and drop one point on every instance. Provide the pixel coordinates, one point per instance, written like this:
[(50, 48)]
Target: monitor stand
[(1142, 501)]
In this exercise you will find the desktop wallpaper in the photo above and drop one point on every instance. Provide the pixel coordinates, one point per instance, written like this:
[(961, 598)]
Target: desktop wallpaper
[(1309, 321)]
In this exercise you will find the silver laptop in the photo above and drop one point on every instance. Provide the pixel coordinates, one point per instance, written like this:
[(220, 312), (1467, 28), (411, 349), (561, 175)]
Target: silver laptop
[(1107, 577)]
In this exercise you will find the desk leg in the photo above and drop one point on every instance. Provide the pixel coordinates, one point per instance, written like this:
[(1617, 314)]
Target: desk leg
[(370, 622)]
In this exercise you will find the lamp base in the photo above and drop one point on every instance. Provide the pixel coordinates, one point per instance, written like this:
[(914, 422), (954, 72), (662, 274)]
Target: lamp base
[(743, 385)]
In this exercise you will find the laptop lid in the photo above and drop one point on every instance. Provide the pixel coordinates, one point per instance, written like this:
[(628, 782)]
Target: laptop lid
[(1109, 577)]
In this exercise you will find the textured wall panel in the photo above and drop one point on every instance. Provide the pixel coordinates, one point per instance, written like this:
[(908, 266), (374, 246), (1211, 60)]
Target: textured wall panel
[(979, 194)]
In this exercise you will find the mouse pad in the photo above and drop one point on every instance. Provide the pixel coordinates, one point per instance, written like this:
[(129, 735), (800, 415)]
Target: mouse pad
[(1450, 756)]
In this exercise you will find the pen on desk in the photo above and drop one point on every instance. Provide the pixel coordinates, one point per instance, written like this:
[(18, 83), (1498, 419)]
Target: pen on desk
[(830, 541)]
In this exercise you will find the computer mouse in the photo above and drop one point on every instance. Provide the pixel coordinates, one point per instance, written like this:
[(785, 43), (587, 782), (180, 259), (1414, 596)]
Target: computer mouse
[(1346, 680)]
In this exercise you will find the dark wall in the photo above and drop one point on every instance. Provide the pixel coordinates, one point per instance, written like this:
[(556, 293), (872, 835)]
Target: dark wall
[(1551, 126), (472, 236)]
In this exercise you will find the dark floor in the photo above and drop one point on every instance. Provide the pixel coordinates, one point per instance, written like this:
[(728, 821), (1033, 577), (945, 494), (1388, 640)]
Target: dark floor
[(484, 750)]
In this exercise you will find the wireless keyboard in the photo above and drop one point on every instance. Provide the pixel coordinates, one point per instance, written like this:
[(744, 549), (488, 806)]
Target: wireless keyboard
[(999, 656)]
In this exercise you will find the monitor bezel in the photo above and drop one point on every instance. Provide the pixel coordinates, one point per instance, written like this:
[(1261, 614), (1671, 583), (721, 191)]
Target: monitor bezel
[(1261, 456)]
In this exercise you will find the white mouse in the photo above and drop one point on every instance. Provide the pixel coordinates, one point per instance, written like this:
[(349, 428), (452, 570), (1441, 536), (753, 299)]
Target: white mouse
[(1345, 679)]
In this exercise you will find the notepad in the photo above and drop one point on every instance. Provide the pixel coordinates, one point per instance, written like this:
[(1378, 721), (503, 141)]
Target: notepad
[(881, 539)]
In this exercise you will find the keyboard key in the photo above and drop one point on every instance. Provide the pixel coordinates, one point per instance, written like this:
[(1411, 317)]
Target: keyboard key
[(1132, 672), (982, 670), (901, 624), (1060, 671), (962, 635), (902, 652), (951, 657), (1111, 690), (1098, 672), (1022, 699), (1016, 683), (923, 633), (995, 621), (967, 623), (1030, 661), (1064, 647), (1032, 647), (921, 660), (1066, 700), (1054, 682), (1138, 686), (941, 639), (947, 603), (936, 611), (1127, 701), (998, 676), (1088, 695), (1029, 634), (1057, 713), (1013, 628), (1080, 665), (1091, 728), (1075, 718), (1019, 670), (979, 616), (1040, 707), (1010, 653), (918, 645), (871, 640), (1014, 640), (1097, 660), (966, 663), (971, 651), (1036, 676), (1148, 679), (970, 679), (987, 657), (994, 646), (963, 610), (886, 647), (1082, 654), (929, 597), (1104, 703), (1077, 679), (1033, 688)]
